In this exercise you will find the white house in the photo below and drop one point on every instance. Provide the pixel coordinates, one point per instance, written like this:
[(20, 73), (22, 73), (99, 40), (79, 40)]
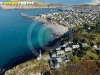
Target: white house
[(58, 48), (60, 52), (68, 49), (64, 45), (75, 46), (53, 55), (59, 59)]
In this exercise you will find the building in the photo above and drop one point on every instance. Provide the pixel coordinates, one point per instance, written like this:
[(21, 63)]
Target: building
[(60, 52), (75, 46), (53, 55), (68, 49), (59, 59), (58, 48), (65, 44)]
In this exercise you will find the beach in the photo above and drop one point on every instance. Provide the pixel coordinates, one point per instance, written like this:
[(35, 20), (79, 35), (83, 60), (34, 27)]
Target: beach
[(57, 29)]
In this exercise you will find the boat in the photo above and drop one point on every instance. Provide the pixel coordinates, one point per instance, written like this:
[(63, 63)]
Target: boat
[(22, 14)]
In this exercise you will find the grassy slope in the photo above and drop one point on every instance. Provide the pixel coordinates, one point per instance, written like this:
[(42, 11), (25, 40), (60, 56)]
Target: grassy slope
[(30, 67)]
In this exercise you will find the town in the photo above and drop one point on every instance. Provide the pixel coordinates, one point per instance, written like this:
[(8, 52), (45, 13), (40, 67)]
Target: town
[(75, 16)]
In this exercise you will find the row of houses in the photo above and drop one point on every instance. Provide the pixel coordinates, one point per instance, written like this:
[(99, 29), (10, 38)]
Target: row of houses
[(60, 54)]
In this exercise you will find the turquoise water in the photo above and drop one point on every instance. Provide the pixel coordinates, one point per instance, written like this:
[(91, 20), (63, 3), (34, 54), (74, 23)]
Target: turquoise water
[(13, 33)]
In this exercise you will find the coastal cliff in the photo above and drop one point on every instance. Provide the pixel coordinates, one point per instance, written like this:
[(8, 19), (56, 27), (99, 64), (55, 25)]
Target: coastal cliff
[(31, 67)]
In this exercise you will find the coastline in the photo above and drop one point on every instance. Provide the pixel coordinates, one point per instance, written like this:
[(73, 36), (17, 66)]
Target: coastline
[(57, 29), (25, 57), (11, 62)]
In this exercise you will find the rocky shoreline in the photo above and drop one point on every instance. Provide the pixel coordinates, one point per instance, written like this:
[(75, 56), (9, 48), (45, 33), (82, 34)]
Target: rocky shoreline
[(57, 30), (13, 61)]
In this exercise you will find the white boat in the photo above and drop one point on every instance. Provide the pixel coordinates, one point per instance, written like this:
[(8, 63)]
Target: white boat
[(22, 14)]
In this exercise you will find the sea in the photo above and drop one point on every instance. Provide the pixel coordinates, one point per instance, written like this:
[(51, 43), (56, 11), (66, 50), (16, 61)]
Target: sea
[(14, 30)]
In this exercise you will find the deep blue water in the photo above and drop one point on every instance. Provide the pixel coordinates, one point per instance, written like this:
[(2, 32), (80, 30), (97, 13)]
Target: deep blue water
[(13, 33)]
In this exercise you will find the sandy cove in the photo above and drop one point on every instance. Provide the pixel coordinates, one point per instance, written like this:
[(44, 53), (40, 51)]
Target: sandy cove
[(57, 29)]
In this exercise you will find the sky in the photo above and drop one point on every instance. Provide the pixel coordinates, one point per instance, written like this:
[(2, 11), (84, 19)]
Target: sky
[(64, 1)]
